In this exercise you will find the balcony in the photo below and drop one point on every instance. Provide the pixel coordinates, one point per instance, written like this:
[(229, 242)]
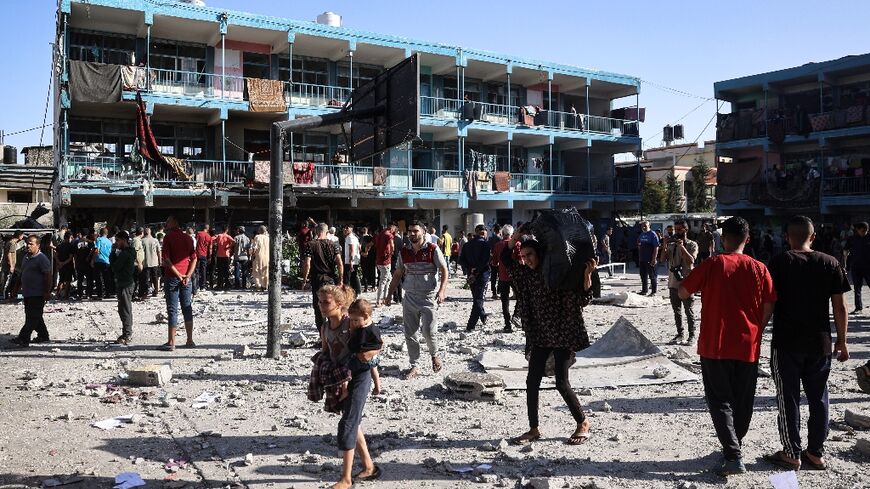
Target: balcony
[(846, 186), (103, 170), (452, 109), (755, 123)]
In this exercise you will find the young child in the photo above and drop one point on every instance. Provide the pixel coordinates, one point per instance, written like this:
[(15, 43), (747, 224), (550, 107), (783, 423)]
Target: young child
[(365, 342)]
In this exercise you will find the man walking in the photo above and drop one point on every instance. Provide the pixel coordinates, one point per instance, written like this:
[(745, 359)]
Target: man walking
[(705, 243), (493, 269), (737, 300), (647, 253), (122, 262), (398, 244), (224, 243), (445, 242), (604, 252), (321, 265), (260, 259), (150, 265), (858, 260), (241, 265), (422, 268), (203, 256), (179, 264), (351, 259), (7, 271), (806, 281), (384, 247), (100, 264), (476, 257), (64, 263), (84, 271), (680, 256), (139, 269), (504, 276), (36, 283)]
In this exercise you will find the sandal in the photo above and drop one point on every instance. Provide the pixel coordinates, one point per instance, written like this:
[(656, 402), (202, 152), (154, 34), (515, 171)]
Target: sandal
[(189, 344), (526, 438), (809, 464), (363, 478), (780, 461), (579, 437), (436, 364), (167, 347)]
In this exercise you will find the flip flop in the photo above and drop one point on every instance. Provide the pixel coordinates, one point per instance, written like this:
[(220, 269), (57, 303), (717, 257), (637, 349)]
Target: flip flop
[(189, 345), (374, 476), (525, 440), (809, 464), (778, 460), (167, 347), (578, 438)]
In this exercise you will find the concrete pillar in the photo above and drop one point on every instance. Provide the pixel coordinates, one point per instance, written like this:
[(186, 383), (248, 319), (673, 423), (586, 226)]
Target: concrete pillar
[(140, 216)]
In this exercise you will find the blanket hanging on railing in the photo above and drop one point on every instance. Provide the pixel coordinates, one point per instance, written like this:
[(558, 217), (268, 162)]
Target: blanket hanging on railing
[(380, 175), (502, 180), (266, 95), (148, 143), (94, 82)]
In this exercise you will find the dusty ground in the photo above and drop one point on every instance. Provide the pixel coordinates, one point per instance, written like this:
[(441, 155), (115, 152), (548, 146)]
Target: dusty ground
[(658, 436)]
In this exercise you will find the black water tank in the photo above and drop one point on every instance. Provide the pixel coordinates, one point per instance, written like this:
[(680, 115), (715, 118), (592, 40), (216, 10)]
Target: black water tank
[(678, 131), (10, 155), (668, 133)]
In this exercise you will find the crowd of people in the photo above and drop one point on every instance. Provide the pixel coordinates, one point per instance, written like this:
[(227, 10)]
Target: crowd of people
[(739, 295)]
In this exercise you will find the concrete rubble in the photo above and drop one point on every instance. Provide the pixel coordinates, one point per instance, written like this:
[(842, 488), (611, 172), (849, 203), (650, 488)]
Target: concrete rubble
[(475, 386)]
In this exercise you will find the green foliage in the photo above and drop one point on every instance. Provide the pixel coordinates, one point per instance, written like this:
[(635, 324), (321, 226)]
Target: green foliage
[(653, 197), (696, 191), (672, 193), (290, 251)]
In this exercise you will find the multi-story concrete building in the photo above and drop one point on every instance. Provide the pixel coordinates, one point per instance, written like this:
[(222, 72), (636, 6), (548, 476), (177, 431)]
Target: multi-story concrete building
[(798, 141), (658, 163), (554, 128)]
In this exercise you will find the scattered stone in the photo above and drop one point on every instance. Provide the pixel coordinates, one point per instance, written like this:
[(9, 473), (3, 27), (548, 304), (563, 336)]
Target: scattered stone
[(224, 357), (527, 448), (487, 478), (475, 386), (398, 346), (160, 317), (274, 427), (467, 350), (297, 339), (862, 446), (430, 463), (249, 459), (857, 420), (541, 483), (616, 437), (661, 372), (487, 447), (245, 351), (450, 325), (149, 375), (686, 485), (503, 445), (585, 391), (606, 407), (138, 461)]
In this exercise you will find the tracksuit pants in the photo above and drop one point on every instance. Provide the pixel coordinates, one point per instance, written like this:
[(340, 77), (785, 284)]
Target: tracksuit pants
[(789, 371)]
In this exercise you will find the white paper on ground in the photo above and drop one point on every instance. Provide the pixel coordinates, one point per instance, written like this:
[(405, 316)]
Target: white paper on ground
[(112, 423), (784, 480), (204, 400)]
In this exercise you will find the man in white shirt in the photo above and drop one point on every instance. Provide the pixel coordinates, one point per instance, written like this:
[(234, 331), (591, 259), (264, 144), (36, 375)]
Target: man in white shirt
[(331, 235), (351, 259), (432, 236)]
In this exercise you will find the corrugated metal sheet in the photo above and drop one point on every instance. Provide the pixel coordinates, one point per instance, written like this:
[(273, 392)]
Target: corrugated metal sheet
[(26, 177)]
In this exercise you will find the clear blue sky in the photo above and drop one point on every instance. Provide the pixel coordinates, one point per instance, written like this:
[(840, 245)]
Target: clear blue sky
[(686, 45)]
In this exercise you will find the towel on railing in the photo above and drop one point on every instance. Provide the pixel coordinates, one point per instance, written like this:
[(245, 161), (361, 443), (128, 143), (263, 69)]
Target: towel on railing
[(94, 82), (380, 176), (177, 165), (266, 95), (303, 173), (133, 78), (502, 181), (471, 184)]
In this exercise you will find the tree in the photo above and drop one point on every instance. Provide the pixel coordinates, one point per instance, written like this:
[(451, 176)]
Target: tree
[(672, 193), (653, 197), (696, 191)]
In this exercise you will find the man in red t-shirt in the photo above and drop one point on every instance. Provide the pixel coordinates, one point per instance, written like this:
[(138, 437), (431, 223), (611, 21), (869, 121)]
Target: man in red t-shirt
[(384, 247), (179, 264), (203, 254), (224, 243), (737, 300)]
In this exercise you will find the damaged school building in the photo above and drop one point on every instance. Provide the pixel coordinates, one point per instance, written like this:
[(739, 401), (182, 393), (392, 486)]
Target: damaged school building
[(165, 107)]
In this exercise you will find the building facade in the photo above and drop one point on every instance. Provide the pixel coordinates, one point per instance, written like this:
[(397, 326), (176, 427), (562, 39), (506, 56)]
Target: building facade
[(796, 141), (658, 163), (540, 135)]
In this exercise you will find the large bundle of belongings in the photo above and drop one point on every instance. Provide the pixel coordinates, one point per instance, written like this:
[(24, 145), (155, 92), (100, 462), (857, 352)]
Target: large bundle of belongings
[(569, 242)]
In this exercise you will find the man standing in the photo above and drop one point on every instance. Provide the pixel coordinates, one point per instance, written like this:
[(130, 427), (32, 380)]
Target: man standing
[(260, 259), (321, 265), (647, 253), (36, 282), (806, 281), (10, 252), (100, 263), (122, 262), (493, 270), (351, 259), (84, 270), (680, 257), (150, 265), (476, 257), (504, 276), (604, 252), (203, 256), (224, 243), (398, 244), (422, 268), (737, 300), (64, 264), (241, 270), (179, 264), (139, 270), (445, 242), (367, 259), (705, 243), (384, 247), (858, 259)]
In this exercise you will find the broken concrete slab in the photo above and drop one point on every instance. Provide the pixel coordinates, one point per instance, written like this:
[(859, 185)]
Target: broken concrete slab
[(149, 375), (475, 386), (857, 420), (862, 446)]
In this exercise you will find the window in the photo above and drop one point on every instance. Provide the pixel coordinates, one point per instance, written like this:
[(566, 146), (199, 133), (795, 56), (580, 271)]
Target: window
[(18, 197), (450, 91), (98, 47), (361, 74), (310, 147), (256, 65), (257, 142), (170, 55), (313, 71), (496, 94)]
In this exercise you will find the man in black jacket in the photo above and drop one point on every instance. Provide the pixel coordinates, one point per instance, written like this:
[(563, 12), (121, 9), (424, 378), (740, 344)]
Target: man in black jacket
[(476, 256)]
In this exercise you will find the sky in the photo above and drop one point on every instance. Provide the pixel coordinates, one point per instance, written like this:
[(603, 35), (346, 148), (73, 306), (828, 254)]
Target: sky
[(678, 48)]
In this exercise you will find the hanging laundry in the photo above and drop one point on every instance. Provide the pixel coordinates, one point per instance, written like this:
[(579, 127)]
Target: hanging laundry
[(303, 173), (380, 176), (132, 78), (94, 82), (471, 184), (148, 143), (266, 95), (502, 181)]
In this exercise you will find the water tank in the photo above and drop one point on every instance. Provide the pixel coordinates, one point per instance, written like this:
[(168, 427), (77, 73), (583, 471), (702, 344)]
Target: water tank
[(10, 155), (668, 134), (331, 19), (678, 131)]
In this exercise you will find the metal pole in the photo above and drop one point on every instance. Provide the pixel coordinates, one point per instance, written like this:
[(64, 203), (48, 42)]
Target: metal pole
[(276, 241), (224, 142), (550, 111), (586, 126), (148, 59), (223, 64)]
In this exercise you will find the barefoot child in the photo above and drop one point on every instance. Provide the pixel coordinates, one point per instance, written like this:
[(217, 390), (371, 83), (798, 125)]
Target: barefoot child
[(365, 342)]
